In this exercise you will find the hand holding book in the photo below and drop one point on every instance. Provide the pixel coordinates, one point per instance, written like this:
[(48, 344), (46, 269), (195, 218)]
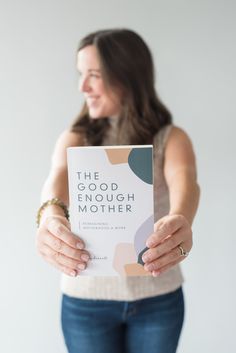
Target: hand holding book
[(60, 247), (166, 245)]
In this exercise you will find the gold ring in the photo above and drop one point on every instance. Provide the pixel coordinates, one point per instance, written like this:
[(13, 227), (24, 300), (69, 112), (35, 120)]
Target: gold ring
[(182, 251)]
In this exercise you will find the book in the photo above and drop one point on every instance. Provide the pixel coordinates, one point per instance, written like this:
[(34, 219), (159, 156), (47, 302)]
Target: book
[(111, 206)]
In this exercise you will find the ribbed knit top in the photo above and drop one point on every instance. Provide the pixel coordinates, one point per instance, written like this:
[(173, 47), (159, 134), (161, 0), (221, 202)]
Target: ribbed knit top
[(137, 287)]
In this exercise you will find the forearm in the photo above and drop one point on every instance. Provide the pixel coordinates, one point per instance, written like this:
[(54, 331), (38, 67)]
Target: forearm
[(184, 195), (56, 185)]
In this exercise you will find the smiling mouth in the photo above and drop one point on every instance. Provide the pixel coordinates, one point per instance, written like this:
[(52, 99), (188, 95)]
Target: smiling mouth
[(91, 100), (92, 97)]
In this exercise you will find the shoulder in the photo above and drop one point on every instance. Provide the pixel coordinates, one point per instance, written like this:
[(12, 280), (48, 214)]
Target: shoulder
[(179, 151), (69, 139), (178, 132), (177, 140), (161, 137), (66, 139)]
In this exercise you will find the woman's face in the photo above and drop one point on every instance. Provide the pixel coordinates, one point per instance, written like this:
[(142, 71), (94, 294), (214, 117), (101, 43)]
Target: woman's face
[(101, 102)]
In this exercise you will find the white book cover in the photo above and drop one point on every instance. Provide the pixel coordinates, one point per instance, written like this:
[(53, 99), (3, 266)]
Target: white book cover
[(111, 205)]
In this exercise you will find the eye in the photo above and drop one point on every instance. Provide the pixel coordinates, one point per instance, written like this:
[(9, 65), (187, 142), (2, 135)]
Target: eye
[(95, 75), (88, 77)]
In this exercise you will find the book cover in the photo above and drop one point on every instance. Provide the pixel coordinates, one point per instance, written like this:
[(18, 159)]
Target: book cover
[(111, 205)]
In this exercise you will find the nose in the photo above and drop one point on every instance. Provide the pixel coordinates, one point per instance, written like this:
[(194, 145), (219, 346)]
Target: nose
[(84, 85)]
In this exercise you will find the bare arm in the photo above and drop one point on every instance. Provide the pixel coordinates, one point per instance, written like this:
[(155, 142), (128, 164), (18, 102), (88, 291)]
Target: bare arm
[(56, 185), (181, 175), (174, 230), (55, 242)]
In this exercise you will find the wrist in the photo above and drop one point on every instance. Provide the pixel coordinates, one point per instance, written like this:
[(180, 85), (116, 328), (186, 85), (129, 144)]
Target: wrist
[(52, 207), (51, 210), (180, 213)]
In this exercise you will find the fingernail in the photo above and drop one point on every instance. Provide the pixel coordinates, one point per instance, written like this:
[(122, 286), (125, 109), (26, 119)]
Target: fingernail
[(85, 257), (149, 243), (73, 273), (145, 258), (80, 246), (81, 266), (156, 273)]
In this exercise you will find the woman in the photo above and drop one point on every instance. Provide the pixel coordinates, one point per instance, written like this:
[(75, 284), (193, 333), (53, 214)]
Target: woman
[(118, 314)]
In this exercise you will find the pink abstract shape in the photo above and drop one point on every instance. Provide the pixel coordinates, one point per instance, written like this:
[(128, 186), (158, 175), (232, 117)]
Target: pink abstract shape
[(124, 254), (118, 156), (136, 270)]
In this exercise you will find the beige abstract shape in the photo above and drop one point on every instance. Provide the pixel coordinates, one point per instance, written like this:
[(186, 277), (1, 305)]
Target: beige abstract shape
[(118, 155), (124, 254), (135, 270)]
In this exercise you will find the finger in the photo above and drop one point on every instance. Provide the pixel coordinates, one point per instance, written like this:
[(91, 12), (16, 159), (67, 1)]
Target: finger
[(61, 259), (58, 245), (68, 271), (172, 256), (161, 249), (59, 230), (165, 227), (156, 273)]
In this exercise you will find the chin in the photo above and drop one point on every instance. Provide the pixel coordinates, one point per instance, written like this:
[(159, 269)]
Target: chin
[(94, 115)]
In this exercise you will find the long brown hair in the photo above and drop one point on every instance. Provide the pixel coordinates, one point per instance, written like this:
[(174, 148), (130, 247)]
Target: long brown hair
[(126, 62)]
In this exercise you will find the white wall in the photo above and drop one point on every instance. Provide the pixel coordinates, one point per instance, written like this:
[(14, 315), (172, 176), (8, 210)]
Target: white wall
[(193, 43)]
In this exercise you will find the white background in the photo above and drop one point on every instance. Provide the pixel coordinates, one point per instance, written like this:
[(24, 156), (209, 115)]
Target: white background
[(193, 43)]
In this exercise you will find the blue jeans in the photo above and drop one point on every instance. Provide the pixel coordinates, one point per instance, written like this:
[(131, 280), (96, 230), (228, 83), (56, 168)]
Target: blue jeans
[(150, 325)]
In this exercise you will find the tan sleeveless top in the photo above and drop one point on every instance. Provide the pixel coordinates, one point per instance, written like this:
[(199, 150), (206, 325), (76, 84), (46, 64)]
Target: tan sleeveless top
[(137, 287)]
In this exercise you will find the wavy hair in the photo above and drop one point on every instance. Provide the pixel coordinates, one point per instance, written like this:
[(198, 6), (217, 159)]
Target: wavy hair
[(126, 63)]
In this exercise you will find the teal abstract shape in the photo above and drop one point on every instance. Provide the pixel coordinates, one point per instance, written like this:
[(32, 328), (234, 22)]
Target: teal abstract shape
[(140, 260), (140, 162), (143, 232)]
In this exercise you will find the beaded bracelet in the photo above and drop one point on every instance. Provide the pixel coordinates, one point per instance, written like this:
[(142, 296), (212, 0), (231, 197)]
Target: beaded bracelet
[(53, 201)]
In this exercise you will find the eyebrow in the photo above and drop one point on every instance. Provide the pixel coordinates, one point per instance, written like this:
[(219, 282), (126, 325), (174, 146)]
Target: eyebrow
[(90, 70), (98, 70)]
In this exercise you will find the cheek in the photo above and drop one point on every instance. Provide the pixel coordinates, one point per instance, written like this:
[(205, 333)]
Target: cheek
[(116, 101), (100, 88), (110, 103)]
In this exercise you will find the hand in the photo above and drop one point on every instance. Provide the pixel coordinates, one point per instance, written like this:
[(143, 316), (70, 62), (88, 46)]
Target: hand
[(169, 232), (60, 247)]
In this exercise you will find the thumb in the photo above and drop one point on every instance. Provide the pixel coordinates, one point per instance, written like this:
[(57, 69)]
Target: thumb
[(163, 228)]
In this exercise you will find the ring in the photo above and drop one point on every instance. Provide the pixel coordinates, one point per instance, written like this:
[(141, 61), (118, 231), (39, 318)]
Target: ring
[(182, 251)]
